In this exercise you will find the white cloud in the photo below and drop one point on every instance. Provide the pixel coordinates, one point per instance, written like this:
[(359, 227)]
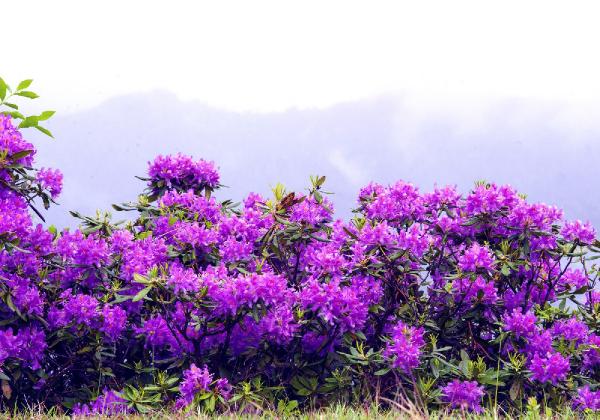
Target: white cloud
[(352, 171)]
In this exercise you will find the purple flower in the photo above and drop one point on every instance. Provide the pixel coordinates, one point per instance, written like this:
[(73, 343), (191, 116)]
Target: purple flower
[(195, 380), (475, 290), (28, 345), (182, 172), (338, 305), (11, 142), (157, 332), (476, 257), (109, 403), (223, 388), (586, 399), (394, 203), (490, 199), (574, 278), (593, 297), (15, 221), (464, 395), (405, 347), (198, 206), (578, 231), (81, 309), (113, 322), (540, 342), (591, 356), (182, 280), (522, 325), (571, 329), (51, 180), (553, 367), (311, 212)]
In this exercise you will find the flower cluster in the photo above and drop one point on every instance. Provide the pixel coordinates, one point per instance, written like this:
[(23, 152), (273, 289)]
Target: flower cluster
[(464, 395), (405, 347), (197, 381), (181, 172), (275, 294)]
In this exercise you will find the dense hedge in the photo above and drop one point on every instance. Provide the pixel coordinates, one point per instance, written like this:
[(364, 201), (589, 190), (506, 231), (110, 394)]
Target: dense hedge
[(448, 300)]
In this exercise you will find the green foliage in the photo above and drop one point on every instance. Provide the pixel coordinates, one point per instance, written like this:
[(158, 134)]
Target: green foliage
[(7, 97)]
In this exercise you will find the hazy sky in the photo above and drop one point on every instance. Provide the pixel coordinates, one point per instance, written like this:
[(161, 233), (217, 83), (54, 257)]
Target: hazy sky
[(273, 55), (429, 92)]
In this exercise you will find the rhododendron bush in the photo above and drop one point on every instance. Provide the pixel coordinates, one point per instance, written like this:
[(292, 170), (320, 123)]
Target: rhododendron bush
[(453, 301)]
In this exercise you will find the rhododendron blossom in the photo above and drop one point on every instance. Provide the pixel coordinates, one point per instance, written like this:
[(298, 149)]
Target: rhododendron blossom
[(196, 302)]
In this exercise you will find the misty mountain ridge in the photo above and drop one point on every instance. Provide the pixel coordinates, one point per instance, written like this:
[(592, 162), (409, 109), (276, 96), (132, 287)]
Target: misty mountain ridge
[(383, 139)]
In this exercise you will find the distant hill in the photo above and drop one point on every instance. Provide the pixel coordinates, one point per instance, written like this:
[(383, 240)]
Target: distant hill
[(100, 150)]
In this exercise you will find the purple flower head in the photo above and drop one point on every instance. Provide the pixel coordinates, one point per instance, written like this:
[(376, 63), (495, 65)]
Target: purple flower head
[(584, 233), (198, 206), (574, 278), (28, 345), (335, 303), (394, 203), (9, 344), (157, 332), (182, 280), (311, 212), (81, 309), (11, 141), (552, 367), (593, 298), (194, 380), (587, 399), (475, 290), (591, 356), (26, 296), (182, 173), (415, 239), (465, 395), (522, 325), (51, 180), (571, 329), (109, 403), (114, 320), (476, 257), (223, 388), (490, 199), (15, 221), (540, 342), (405, 347)]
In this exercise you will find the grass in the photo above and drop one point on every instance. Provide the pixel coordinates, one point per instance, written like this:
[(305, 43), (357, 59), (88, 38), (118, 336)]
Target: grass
[(343, 412)]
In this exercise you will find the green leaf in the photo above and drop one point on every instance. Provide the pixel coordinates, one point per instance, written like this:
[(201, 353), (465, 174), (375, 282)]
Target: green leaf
[(10, 105), (15, 114), (44, 130), (31, 121), (121, 298), (20, 155), (10, 304), (318, 197), (138, 278), (292, 405), (45, 115), (141, 294), (382, 372), (3, 88), (24, 84), (27, 94)]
